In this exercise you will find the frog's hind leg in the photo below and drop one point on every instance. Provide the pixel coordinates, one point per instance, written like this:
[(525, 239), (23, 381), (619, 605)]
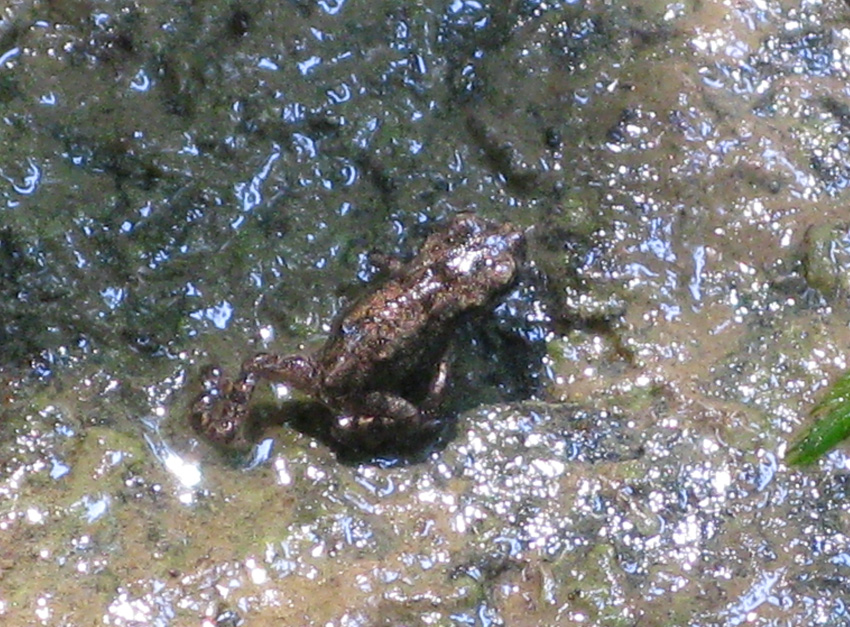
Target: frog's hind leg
[(381, 421), (298, 371), (221, 410)]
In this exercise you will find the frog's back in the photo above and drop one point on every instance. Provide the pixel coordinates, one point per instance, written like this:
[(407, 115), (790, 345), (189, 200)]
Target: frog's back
[(402, 327), (382, 337)]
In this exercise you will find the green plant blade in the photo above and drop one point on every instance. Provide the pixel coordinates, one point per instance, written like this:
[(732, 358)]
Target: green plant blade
[(832, 425)]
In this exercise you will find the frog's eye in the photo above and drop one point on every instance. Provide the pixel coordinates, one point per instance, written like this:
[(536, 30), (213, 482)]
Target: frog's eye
[(501, 243), (502, 271)]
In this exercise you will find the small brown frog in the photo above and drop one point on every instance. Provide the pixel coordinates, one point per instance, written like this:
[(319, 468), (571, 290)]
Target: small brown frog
[(383, 369)]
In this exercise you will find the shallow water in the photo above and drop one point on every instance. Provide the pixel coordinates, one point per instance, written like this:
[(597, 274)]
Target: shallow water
[(182, 185)]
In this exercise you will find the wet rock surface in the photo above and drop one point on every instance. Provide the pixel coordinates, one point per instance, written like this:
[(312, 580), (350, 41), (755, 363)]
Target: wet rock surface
[(182, 184)]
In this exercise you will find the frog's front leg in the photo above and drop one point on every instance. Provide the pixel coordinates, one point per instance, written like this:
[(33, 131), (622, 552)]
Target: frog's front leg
[(437, 386), (382, 420), (221, 410)]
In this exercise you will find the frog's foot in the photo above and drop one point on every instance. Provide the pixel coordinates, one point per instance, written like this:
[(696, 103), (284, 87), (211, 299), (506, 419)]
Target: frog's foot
[(221, 409), (384, 421)]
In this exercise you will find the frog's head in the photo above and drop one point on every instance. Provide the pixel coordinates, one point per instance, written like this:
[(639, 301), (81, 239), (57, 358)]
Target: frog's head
[(484, 258)]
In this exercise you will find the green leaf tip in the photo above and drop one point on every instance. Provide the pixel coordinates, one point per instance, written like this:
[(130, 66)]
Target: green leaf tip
[(832, 425)]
